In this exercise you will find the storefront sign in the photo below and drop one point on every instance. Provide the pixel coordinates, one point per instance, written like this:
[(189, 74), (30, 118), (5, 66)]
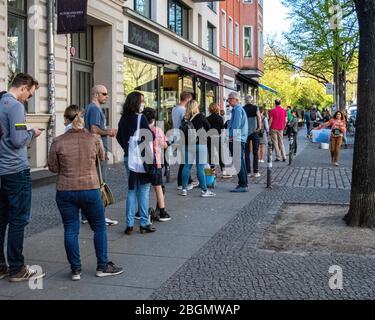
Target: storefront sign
[(206, 67), (143, 38), (71, 16), (189, 60)]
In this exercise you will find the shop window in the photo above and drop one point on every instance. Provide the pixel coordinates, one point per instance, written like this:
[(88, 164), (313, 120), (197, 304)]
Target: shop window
[(178, 18), (17, 20), (142, 77), (143, 7)]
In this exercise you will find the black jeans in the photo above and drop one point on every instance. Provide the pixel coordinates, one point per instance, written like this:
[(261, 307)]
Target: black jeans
[(211, 153), (254, 138), (15, 205)]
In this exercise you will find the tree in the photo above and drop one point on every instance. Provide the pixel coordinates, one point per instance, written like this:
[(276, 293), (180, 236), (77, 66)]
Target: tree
[(362, 203), (293, 87), (324, 39)]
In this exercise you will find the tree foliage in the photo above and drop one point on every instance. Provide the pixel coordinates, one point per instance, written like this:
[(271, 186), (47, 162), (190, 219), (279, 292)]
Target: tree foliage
[(293, 88)]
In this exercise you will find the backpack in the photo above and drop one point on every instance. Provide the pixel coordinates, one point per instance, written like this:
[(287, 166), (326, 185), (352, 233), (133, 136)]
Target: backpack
[(185, 126)]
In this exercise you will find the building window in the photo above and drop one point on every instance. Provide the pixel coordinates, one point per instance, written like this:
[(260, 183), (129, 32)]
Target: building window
[(247, 42), (230, 34), (17, 21), (178, 18), (224, 28), (211, 38), (143, 7), (261, 44), (211, 5), (237, 39)]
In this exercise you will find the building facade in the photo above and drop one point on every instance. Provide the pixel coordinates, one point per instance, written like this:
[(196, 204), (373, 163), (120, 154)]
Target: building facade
[(171, 46), (241, 47), (81, 60), (157, 47)]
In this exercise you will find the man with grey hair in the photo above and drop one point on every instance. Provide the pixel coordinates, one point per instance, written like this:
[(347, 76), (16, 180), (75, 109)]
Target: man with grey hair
[(254, 126), (95, 122), (238, 131)]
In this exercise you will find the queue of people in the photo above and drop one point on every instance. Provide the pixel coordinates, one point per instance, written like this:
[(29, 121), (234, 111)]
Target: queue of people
[(85, 142)]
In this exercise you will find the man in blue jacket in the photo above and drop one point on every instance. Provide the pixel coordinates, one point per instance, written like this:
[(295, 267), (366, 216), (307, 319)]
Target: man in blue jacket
[(238, 131), (15, 190)]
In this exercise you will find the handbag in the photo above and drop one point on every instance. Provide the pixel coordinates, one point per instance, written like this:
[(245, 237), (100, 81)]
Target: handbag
[(336, 132), (105, 191)]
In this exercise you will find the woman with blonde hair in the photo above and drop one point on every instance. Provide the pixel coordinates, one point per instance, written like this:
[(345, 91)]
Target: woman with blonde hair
[(73, 156), (199, 122)]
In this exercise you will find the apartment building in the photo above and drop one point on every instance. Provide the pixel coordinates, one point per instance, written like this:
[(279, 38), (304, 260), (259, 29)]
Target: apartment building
[(172, 46), (241, 47), (81, 60)]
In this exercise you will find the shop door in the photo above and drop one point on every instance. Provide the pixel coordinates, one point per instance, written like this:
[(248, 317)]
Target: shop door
[(82, 82)]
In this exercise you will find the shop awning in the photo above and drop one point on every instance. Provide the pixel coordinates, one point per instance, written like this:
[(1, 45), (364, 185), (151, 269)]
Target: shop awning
[(202, 75), (143, 55), (268, 88)]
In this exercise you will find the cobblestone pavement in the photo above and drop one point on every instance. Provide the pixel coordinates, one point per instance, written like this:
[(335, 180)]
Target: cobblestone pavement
[(231, 266)]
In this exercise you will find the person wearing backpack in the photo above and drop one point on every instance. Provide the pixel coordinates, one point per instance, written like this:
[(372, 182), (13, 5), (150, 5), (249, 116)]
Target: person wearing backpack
[(254, 121), (195, 121), (138, 183), (178, 116)]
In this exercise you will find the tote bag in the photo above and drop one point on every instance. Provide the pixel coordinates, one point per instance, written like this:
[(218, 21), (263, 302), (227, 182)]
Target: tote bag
[(134, 154)]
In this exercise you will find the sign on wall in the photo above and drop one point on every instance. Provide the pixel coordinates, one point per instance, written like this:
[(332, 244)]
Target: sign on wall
[(143, 38), (71, 16)]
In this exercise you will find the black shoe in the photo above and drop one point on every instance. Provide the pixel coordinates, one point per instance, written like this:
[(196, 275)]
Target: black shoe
[(128, 231), (137, 216), (147, 229), (284, 160), (76, 275), (164, 217), (109, 270), (277, 160)]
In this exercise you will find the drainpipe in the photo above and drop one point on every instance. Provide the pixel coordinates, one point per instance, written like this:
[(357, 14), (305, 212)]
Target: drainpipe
[(51, 71)]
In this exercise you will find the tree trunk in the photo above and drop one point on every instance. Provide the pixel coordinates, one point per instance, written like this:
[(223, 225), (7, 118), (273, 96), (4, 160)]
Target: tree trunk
[(362, 203), (342, 89)]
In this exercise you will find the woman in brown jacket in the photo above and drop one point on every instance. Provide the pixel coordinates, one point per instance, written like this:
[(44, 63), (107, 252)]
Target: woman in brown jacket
[(73, 157)]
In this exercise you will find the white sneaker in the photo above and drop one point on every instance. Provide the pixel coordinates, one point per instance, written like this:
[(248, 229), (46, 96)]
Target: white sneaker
[(194, 184), (179, 188), (257, 175), (84, 221), (261, 161), (226, 175), (208, 193), (183, 192), (110, 222), (76, 275)]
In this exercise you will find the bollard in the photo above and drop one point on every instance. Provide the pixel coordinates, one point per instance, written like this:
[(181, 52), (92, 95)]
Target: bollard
[(269, 164)]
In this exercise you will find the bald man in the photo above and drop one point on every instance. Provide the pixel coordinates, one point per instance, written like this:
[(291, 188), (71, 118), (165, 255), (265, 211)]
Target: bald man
[(95, 122)]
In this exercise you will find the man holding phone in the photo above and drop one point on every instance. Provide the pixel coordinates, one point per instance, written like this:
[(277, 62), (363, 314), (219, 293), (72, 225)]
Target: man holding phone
[(15, 190)]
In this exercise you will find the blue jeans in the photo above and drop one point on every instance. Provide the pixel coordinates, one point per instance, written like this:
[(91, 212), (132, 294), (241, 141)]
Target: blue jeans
[(201, 152), (242, 175), (15, 205), (140, 194), (90, 202), (104, 166)]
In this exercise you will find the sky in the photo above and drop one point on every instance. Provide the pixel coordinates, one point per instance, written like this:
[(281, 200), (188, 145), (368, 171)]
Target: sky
[(275, 18)]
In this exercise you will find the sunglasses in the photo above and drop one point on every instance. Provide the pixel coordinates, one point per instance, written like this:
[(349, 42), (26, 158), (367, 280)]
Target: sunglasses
[(104, 94)]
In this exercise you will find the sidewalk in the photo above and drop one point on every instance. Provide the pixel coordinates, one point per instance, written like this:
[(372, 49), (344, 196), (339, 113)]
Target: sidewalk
[(210, 248), (148, 260)]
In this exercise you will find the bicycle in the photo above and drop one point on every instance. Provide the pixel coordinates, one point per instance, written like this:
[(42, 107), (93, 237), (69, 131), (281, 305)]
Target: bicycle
[(292, 146)]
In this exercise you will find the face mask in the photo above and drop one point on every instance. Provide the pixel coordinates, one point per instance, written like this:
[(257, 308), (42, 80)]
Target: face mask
[(142, 107)]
